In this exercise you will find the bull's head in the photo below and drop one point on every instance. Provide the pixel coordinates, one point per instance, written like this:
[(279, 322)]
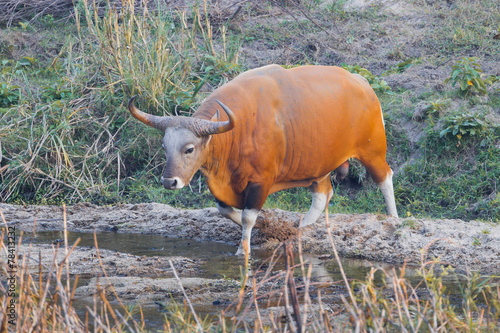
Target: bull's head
[(185, 142)]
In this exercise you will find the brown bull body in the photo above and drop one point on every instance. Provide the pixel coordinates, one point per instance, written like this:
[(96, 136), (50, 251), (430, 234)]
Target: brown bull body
[(284, 128)]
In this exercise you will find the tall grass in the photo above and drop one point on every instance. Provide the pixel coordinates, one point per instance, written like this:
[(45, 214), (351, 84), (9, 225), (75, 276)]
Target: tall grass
[(167, 56), (75, 141)]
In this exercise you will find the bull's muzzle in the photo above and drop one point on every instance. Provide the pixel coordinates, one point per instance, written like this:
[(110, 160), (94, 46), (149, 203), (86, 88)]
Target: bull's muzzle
[(174, 183)]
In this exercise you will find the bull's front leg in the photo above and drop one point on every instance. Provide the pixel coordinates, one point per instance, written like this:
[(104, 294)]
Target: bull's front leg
[(229, 212), (255, 197)]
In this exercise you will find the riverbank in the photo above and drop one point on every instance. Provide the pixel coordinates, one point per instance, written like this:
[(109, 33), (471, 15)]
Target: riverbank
[(465, 245)]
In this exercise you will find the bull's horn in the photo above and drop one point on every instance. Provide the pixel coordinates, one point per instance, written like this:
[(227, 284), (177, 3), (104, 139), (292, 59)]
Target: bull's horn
[(160, 123), (205, 127)]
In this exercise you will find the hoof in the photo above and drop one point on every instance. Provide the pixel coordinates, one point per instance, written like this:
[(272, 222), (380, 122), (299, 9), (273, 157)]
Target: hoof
[(241, 252), (303, 225)]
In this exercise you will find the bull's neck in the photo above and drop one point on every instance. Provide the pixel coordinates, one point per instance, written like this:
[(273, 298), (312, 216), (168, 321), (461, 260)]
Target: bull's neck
[(215, 157)]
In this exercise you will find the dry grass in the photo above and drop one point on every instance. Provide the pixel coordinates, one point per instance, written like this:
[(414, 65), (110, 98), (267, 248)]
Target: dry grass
[(166, 56), (52, 160), (76, 141), (13, 11), (44, 301)]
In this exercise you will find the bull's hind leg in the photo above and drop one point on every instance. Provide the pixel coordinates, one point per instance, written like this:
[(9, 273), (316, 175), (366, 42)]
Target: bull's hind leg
[(381, 173), (388, 191), (321, 192)]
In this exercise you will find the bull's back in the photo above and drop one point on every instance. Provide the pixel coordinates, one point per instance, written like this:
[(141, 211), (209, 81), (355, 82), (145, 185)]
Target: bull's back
[(328, 115)]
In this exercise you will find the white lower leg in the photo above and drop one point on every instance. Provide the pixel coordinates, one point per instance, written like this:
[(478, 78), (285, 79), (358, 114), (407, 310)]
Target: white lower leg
[(230, 213), (248, 218), (318, 205), (388, 191)]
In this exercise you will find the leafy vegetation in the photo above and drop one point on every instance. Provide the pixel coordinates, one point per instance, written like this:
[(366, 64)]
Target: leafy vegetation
[(9, 94), (459, 125), (467, 73), (376, 83)]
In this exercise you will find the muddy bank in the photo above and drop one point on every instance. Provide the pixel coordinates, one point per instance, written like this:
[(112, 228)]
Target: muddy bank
[(466, 245)]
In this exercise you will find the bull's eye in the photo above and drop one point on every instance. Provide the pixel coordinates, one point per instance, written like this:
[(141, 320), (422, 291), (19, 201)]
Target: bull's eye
[(189, 150)]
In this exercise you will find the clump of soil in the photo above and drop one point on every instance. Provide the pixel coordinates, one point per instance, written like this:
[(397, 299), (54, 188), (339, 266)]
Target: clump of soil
[(272, 228)]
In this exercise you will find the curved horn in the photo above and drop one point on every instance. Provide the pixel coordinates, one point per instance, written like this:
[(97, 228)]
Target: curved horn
[(203, 127), (157, 122)]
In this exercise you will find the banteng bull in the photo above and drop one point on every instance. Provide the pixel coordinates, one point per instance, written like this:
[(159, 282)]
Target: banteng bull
[(282, 128)]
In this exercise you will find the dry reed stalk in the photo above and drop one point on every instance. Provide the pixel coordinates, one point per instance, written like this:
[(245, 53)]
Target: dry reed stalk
[(102, 295), (13, 11), (353, 311), (256, 295), (287, 249), (259, 319), (307, 279), (198, 324)]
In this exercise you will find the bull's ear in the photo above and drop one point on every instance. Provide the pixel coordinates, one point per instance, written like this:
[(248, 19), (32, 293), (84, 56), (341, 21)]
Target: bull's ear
[(216, 116), (202, 127)]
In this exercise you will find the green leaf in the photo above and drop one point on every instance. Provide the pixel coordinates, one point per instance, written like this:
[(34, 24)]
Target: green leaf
[(481, 84), (25, 61)]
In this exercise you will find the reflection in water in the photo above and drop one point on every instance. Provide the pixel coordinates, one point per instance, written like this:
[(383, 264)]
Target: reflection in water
[(218, 257), (217, 260)]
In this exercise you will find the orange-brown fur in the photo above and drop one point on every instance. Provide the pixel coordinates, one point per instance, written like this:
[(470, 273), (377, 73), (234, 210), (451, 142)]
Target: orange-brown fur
[(294, 127)]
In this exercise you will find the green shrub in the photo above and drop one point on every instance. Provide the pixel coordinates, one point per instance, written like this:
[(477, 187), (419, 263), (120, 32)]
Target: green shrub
[(459, 125), (455, 179), (467, 73)]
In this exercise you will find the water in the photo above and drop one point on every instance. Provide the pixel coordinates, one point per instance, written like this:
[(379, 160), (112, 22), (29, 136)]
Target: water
[(217, 261), (218, 258)]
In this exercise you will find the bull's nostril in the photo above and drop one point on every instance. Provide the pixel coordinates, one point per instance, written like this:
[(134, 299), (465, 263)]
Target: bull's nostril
[(174, 183)]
